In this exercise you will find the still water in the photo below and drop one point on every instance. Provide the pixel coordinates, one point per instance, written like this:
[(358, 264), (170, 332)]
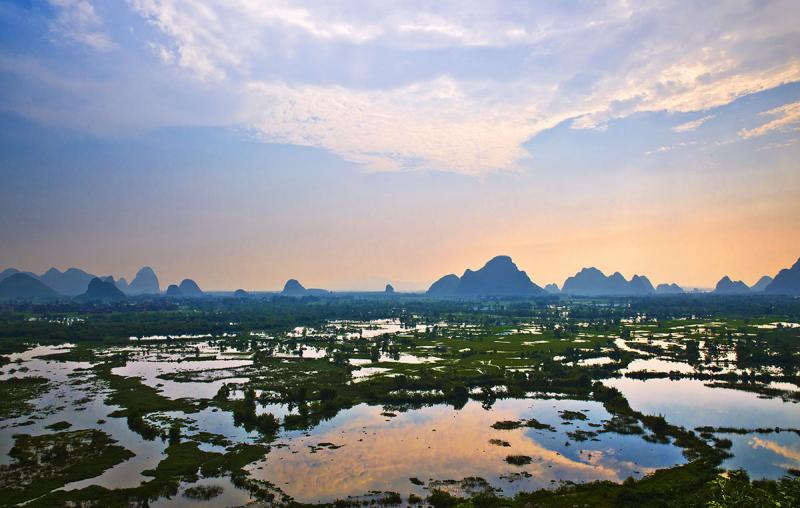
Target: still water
[(372, 448)]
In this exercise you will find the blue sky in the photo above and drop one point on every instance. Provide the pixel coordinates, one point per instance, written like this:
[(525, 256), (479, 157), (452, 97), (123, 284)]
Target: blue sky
[(353, 143)]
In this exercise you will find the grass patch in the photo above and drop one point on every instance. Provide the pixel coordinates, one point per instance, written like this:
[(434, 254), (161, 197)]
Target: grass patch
[(17, 393), (47, 462)]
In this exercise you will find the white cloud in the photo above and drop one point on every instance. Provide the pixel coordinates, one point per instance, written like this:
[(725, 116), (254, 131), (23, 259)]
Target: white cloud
[(433, 125), (78, 22), (164, 53), (692, 125), (460, 86), (669, 148), (787, 119)]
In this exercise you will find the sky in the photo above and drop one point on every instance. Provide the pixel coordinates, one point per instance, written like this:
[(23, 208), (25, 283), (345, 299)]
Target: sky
[(353, 143)]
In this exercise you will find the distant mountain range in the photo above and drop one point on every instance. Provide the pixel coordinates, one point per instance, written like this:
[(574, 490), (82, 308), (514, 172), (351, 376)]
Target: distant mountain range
[(71, 282), (593, 282), (77, 283), (501, 277), (498, 277)]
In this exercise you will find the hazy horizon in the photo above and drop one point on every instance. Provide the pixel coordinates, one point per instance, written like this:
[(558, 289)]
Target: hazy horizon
[(378, 284), (348, 145)]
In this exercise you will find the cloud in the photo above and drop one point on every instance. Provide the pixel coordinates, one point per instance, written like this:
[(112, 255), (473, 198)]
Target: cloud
[(787, 119), (439, 124), (453, 86), (694, 124), (77, 22), (164, 54), (774, 146), (669, 148)]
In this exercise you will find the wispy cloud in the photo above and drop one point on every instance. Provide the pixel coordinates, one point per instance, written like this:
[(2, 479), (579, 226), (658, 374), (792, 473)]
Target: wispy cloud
[(787, 118), (77, 22), (775, 146), (466, 120), (447, 86), (694, 124), (669, 148)]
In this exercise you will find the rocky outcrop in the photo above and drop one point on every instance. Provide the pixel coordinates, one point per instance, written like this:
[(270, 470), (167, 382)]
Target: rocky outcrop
[(787, 282), (145, 283), (726, 286), (498, 277), (100, 290), (190, 289), (21, 286)]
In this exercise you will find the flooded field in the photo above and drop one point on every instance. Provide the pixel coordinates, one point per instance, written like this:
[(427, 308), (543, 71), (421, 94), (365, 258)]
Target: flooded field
[(366, 411)]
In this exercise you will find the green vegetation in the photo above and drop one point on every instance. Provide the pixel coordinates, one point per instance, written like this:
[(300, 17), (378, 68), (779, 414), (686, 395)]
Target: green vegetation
[(47, 462), (183, 462), (313, 356), (202, 492), (685, 486), (59, 426), (16, 394), (518, 460)]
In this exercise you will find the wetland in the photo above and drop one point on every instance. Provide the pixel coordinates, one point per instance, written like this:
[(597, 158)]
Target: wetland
[(356, 401)]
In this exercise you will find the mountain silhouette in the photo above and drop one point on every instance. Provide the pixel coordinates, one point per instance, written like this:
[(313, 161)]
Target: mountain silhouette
[(726, 286), (122, 284), (446, 286), (8, 272), (189, 288), (71, 282), (241, 293), (589, 282), (100, 290), (787, 282), (498, 277), (669, 289), (640, 285), (592, 282), (389, 289), (293, 288), (173, 291), (762, 284), (24, 286), (145, 283), (552, 288)]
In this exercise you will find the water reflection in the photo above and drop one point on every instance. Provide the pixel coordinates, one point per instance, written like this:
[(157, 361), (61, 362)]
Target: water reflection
[(373, 451), (764, 455), (149, 372), (691, 403)]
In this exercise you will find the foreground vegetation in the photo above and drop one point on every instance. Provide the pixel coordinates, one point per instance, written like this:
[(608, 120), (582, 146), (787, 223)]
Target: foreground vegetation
[(310, 354)]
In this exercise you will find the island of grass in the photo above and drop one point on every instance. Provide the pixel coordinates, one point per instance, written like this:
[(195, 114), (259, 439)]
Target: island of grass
[(17, 394), (50, 461)]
